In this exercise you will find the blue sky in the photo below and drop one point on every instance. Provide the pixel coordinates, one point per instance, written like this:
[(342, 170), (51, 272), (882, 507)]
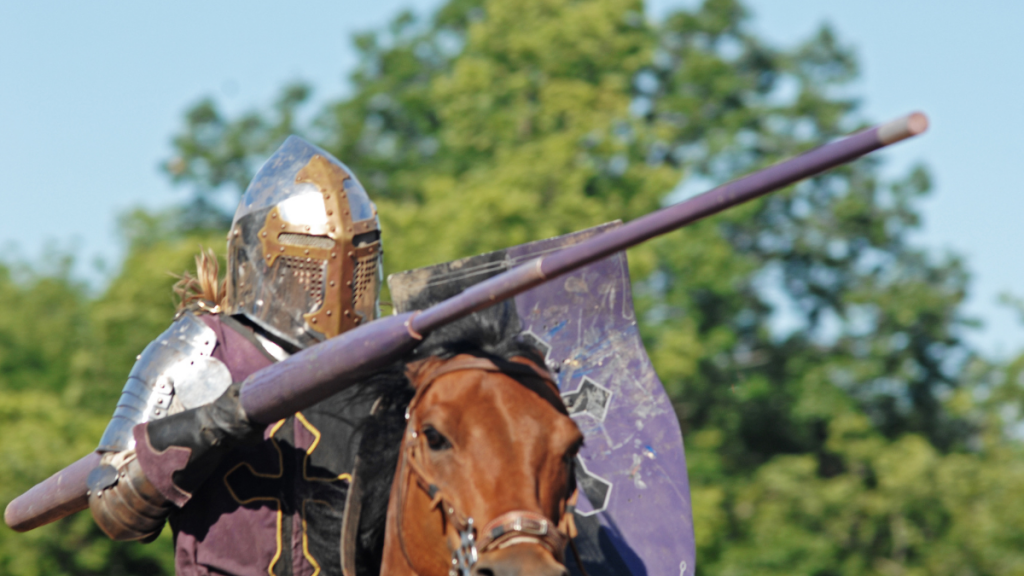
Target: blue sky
[(90, 94)]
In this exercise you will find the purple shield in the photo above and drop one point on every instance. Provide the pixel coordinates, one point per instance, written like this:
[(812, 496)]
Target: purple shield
[(634, 511)]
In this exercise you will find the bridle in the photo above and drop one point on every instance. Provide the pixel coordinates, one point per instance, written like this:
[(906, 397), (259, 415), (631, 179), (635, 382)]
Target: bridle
[(466, 541)]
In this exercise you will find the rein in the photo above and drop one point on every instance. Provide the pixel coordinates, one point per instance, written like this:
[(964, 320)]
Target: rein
[(467, 541)]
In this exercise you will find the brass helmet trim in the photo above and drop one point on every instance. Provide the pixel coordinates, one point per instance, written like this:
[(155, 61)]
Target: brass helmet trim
[(339, 310), (304, 248)]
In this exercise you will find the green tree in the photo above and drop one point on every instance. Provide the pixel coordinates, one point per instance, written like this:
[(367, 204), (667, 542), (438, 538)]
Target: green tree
[(492, 124), (64, 357), (866, 438), (847, 444)]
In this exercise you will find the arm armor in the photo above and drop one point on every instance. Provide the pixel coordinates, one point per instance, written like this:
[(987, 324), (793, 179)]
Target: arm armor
[(131, 495), (130, 508), (175, 372)]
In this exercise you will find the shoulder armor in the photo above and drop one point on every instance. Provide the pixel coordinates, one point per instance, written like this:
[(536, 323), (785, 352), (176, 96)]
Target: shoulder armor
[(175, 372)]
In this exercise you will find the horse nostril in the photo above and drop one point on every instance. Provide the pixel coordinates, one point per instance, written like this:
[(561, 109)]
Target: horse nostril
[(519, 561), (515, 569)]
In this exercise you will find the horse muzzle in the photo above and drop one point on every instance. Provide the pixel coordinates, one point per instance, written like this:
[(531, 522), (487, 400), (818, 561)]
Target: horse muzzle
[(522, 560)]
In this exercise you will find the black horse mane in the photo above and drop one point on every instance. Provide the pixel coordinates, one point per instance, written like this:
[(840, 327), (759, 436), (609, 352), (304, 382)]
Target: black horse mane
[(490, 334)]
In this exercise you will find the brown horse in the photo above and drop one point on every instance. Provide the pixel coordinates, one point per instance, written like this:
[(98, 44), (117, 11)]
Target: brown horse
[(483, 484)]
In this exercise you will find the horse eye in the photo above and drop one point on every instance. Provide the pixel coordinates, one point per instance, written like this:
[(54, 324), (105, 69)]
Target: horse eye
[(435, 440)]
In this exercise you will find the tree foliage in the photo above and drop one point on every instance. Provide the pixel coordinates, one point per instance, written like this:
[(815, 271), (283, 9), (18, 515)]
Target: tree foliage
[(844, 443), (64, 357), (835, 420)]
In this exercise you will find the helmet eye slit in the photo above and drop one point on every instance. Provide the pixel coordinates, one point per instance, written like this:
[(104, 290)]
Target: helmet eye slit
[(365, 238), (306, 240)]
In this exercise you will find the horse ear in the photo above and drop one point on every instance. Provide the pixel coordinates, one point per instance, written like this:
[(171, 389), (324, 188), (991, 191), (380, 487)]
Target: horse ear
[(548, 388), (417, 372), (542, 372)]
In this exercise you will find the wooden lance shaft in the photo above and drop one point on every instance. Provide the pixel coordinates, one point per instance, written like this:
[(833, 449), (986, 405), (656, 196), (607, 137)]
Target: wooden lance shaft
[(320, 371)]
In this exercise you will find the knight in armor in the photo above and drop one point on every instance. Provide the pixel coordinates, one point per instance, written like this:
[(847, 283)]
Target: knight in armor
[(304, 264)]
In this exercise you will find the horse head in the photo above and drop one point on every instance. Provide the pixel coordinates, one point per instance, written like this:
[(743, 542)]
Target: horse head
[(484, 484)]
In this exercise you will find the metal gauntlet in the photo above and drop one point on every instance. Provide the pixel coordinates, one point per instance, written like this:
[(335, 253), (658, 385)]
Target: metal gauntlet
[(124, 503)]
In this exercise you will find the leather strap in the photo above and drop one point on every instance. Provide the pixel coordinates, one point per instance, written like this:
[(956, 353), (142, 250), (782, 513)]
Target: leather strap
[(350, 522), (353, 512), (507, 528)]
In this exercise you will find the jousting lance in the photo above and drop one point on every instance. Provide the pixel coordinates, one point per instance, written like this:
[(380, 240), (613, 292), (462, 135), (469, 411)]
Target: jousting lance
[(320, 371)]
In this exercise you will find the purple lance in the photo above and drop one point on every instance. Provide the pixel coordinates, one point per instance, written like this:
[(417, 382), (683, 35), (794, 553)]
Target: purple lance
[(320, 371)]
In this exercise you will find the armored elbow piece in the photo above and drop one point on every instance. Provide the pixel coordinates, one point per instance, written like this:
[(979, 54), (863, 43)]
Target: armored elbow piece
[(174, 373)]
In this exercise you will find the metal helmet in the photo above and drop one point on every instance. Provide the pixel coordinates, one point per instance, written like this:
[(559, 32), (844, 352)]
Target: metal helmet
[(304, 250)]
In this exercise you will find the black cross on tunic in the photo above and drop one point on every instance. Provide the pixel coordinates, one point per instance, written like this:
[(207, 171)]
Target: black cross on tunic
[(303, 475)]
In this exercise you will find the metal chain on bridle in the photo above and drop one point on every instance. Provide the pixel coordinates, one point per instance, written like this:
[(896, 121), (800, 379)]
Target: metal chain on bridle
[(466, 541)]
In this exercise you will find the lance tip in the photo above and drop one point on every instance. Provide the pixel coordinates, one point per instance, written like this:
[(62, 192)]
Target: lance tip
[(903, 128)]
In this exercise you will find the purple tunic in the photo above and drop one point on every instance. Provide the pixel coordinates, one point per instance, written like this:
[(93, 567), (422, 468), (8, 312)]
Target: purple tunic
[(273, 508)]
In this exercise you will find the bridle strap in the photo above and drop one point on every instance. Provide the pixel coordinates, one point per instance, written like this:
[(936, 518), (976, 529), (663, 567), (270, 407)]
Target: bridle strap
[(353, 511), (515, 526), (350, 522)]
